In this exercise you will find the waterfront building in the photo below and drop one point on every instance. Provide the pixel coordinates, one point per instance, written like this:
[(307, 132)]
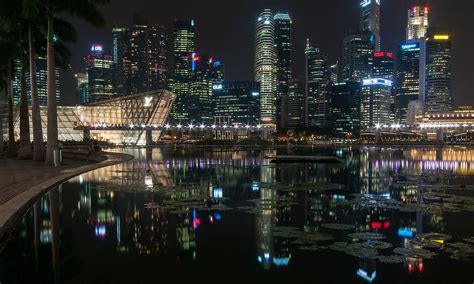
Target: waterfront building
[(283, 45), (237, 101), (317, 109), (183, 67), (375, 102), (82, 87), (41, 81), (407, 87), (119, 120), (414, 113), (358, 57), (265, 67), (345, 109), (99, 68), (370, 20), (296, 104), (417, 23), (383, 65), (438, 61)]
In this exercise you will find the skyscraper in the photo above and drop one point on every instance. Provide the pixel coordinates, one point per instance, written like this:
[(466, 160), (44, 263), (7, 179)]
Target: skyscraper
[(408, 79), (100, 74), (122, 61), (41, 81), (82, 87), (335, 73), (438, 71), (375, 102), (345, 109), (358, 57), (265, 68), (370, 20), (383, 65), (239, 102), (139, 55), (206, 74), (417, 23), (183, 67), (317, 110), (283, 53), (148, 61), (296, 104)]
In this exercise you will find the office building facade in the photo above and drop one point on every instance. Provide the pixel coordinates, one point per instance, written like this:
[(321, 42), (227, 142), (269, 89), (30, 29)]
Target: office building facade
[(296, 104), (417, 27), (265, 67), (370, 20), (407, 87), (375, 103), (345, 109), (358, 57), (99, 67), (318, 76), (82, 88), (237, 102), (283, 44)]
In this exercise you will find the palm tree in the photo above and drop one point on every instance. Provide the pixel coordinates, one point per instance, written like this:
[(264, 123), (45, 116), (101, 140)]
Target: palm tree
[(86, 10), (11, 148)]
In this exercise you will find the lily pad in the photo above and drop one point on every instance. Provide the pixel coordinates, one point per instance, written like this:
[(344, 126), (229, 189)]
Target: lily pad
[(337, 226), (391, 258), (414, 253), (377, 245), (367, 236)]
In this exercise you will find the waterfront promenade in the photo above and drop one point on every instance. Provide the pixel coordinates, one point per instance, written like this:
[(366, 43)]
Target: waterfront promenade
[(23, 181)]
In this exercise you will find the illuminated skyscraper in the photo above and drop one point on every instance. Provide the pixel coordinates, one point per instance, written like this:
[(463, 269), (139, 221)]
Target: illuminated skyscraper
[(41, 70), (317, 108), (370, 20), (408, 79), (100, 74), (417, 23), (82, 87), (122, 61), (296, 104), (148, 61), (438, 70), (335, 73), (358, 57), (283, 52), (140, 61), (183, 67), (238, 101), (265, 68), (375, 102), (384, 67), (345, 109)]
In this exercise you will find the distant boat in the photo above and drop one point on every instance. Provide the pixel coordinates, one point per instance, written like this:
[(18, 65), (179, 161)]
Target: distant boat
[(303, 159)]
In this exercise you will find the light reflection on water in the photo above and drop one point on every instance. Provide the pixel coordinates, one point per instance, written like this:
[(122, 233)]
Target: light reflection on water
[(119, 218)]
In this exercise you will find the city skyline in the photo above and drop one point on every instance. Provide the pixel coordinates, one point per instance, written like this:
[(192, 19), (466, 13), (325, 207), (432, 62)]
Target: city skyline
[(241, 23)]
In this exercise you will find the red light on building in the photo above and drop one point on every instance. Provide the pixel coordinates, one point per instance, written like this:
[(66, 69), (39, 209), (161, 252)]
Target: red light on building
[(379, 54), (427, 9), (389, 54), (386, 224), (376, 225)]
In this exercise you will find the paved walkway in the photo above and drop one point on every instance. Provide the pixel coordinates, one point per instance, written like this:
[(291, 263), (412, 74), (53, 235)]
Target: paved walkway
[(23, 182)]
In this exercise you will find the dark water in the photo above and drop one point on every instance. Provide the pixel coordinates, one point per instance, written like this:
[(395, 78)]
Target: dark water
[(173, 216)]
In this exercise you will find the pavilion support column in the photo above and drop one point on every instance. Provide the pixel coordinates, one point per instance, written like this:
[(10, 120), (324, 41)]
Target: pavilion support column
[(149, 137)]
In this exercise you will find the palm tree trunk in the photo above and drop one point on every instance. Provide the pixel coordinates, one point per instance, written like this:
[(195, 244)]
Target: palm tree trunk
[(38, 144), (52, 108), (2, 151), (12, 149), (25, 147)]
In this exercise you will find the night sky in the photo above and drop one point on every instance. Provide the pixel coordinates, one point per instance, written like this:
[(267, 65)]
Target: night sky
[(225, 30)]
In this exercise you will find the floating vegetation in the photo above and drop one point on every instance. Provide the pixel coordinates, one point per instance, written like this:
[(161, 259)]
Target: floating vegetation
[(414, 252), (460, 251), (391, 258), (470, 240), (337, 226), (303, 186), (377, 245), (424, 243), (288, 232), (354, 249), (312, 248), (434, 237), (366, 236), (310, 238)]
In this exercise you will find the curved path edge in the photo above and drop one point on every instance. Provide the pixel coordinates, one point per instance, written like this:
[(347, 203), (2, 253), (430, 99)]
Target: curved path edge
[(14, 209)]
